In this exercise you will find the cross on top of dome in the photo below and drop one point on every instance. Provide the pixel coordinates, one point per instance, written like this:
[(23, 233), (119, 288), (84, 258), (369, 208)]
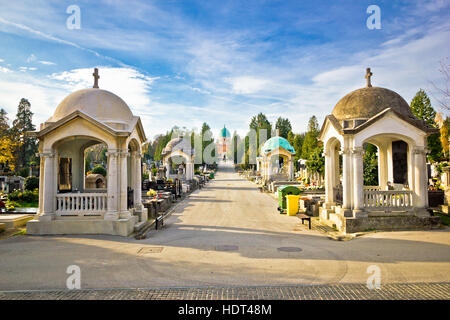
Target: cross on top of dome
[(368, 76), (96, 77)]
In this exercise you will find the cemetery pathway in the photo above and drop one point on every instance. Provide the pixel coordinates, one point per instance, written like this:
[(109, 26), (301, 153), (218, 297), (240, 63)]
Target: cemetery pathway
[(224, 235)]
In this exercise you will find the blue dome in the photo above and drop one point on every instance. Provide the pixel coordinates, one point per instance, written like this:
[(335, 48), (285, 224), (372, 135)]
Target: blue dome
[(276, 142), (224, 133)]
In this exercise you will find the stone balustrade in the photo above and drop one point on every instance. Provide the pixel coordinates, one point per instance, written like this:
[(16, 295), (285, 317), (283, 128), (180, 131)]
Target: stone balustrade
[(377, 199), (81, 204)]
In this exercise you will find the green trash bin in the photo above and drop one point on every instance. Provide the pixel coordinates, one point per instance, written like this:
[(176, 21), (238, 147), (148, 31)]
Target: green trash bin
[(283, 191)]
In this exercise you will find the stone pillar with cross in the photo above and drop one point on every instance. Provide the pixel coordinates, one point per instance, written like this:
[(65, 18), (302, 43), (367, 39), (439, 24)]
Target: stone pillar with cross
[(96, 77), (368, 76)]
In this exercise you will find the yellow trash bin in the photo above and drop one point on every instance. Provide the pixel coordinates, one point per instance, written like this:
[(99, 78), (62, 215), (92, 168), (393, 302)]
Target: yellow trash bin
[(292, 204)]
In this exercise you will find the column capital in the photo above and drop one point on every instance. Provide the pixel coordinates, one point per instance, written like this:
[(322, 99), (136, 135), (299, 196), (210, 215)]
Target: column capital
[(345, 151), (420, 150), (358, 151), (123, 154), (46, 154), (112, 154)]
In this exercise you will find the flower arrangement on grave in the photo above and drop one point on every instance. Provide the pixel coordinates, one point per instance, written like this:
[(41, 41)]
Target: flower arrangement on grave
[(151, 193)]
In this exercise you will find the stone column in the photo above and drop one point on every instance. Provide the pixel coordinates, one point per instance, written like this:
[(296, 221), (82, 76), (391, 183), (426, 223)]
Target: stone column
[(358, 181), (346, 179), (49, 188), (189, 170), (382, 166), (138, 182), (291, 169), (329, 199), (41, 183), (167, 164), (123, 172), (112, 186), (420, 177)]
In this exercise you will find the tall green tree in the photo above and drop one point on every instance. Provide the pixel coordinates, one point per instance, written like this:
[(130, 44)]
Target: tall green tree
[(4, 125), (311, 141), (284, 127), (422, 109), (23, 123), (258, 123)]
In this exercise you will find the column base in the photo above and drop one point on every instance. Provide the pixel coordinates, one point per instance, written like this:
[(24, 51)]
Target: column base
[(421, 212), (46, 217), (344, 212), (111, 216), (125, 215), (359, 213)]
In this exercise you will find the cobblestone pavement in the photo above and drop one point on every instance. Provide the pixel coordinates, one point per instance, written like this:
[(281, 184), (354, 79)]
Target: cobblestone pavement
[(416, 291)]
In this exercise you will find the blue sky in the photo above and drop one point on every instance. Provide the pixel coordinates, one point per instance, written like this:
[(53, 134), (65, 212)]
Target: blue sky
[(185, 62)]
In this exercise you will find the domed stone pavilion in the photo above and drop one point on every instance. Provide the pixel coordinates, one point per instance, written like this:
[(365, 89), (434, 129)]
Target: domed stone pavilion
[(276, 161), (67, 204), (179, 151), (380, 117)]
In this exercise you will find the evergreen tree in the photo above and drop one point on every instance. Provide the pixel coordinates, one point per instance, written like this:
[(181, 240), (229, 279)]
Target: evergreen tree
[(27, 148), (284, 127), (4, 126), (258, 123), (311, 142), (422, 109)]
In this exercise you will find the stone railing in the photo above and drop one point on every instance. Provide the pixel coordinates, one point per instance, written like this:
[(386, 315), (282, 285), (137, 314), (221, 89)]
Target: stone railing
[(81, 204), (375, 199), (372, 188)]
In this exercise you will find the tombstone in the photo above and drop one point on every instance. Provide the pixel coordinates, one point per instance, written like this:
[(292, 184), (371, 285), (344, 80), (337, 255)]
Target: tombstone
[(446, 184), (180, 170), (161, 173)]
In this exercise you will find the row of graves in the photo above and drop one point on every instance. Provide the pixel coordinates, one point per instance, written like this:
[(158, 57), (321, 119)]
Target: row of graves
[(173, 181), (374, 115), (69, 203), (275, 175)]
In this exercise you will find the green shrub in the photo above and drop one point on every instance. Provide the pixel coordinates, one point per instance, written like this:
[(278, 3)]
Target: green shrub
[(98, 169), (14, 196), (145, 176), (31, 183), (23, 172), (26, 196)]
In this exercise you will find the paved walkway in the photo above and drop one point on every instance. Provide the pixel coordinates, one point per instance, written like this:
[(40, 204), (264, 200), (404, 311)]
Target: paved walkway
[(418, 291), (225, 235)]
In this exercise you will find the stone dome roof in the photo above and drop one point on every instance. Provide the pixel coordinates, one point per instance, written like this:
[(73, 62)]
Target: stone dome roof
[(276, 142), (366, 102), (177, 144), (99, 104)]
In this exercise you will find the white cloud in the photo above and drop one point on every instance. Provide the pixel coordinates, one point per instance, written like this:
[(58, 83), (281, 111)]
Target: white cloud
[(131, 85), (25, 69), (48, 63), (247, 84), (5, 70), (1, 60)]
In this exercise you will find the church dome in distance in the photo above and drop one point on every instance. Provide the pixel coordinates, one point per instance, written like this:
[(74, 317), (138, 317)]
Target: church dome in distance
[(366, 102), (224, 133), (99, 104)]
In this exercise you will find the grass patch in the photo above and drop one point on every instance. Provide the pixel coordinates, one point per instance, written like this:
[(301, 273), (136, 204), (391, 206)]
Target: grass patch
[(444, 218), (21, 232), (24, 204)]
